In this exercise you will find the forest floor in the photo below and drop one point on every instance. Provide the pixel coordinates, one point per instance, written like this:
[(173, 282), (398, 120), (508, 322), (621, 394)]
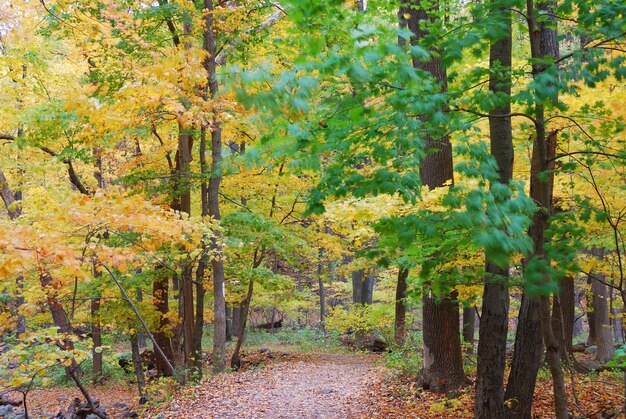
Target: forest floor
[(275, 384), (308, 386)]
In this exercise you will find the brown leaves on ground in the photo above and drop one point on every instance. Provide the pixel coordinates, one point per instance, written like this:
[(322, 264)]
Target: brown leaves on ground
[(116, 399), (310, 386), (598, 397)]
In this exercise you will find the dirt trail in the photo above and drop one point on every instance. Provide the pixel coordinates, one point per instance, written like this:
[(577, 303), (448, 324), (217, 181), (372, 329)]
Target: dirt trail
[(319, 386)]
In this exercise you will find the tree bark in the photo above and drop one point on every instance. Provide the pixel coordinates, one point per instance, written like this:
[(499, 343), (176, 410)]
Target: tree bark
[(96, 337), (399, 334), (469, 325), (219, 300), (591, 320), (443, 361), (491, 357), (358, 277), (320, 281), (235, 360), (543, 44), (10, 202), (604, 330), (160, 300), (137, 365), (563, 317), (526, 359)]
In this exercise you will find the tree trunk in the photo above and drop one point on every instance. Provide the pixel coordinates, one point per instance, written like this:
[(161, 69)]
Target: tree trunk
[(237, 317), (443, 361), (198, 331), (320, 281), (160, 300), (96, 336), (604, 330), (591, 319), (400, 315), (10, 202), (358, 278), (188, 316), (469, 325), (213, 199), (563, 317), (141, 335), (578, 320), (526, 359), (491, 357), (543, 43), (235, 361), (137, 366)]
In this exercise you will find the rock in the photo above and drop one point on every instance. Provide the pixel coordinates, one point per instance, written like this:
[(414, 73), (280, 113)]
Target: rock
[(92, 416), (131, 415), (17, 414), (121, 406), (326, 391), (591, 349), (5, 410)]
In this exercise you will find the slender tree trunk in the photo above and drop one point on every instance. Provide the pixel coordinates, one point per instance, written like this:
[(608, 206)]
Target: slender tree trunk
[(137, 365), (219, 300), (469, 325), (320, 280), (604, 331), (96, 336), (591, 320), (543, 43), (563, 317), (141, 335), (235, 360), (188, 314), (489, 400), (400, 313), (10, 202), (443, 360), (14, 209), (160, 300)]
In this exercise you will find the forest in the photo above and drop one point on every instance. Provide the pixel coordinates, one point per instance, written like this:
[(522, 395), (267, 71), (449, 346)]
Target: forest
[(312, 208)]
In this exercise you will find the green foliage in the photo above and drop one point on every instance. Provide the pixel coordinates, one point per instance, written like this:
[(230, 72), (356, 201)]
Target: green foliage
[(361, 318)]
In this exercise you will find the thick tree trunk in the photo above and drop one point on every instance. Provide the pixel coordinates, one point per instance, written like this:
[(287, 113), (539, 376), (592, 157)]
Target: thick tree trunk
[(213, 199), (443, 361), (526, 359), (489, 401), (358, 277), (400, 314)]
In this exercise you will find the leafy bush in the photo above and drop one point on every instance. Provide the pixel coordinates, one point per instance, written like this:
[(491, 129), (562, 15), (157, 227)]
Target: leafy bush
[(365, 318)]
